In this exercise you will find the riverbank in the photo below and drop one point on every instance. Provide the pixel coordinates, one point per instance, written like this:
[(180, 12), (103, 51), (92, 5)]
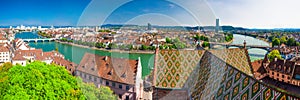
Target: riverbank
[(108, 50), (263, 39)]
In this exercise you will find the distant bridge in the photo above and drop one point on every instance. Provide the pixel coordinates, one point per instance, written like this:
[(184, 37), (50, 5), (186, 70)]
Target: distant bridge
[(39, 40), (242, 45)]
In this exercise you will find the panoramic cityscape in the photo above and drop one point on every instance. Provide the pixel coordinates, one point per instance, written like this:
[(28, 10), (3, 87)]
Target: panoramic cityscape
[(149, 50)]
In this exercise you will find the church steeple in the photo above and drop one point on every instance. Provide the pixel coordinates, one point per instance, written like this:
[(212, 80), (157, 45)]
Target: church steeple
[(244, 44)]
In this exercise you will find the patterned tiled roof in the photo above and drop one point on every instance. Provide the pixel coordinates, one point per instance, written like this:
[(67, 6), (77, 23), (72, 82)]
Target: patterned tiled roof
[(174, 67), (216, 78), (236, 57)]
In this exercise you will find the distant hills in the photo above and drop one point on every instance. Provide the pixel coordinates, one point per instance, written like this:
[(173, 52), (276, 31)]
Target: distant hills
[(202, 28)]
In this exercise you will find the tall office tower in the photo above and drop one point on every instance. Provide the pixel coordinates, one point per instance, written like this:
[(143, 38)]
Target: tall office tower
[(96, 28), (149, 27), (217, 25)]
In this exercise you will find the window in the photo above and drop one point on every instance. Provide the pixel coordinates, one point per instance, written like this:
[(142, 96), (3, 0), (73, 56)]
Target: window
[(113, 84), (107, 83), (282, 76), (277, 74), (127, 87), (100, 80), (272, 73), (120, 96), (120, 86), (95, 79), (127, 97), (90, 77)]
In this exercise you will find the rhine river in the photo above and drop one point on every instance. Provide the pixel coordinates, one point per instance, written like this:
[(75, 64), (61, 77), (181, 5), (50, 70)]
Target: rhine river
[(254, 53), (75, 54)]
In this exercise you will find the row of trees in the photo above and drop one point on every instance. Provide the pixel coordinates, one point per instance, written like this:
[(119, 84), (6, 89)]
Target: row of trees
[(284, 40), (173, 44), (44, 34), (39, 80), (170, 44), (203, 38)]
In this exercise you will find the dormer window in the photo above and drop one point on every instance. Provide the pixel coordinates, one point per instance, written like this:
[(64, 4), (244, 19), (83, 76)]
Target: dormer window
[(123, 75), (110, 72)]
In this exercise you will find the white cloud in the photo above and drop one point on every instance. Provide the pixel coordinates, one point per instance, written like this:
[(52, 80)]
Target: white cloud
[(258, 13)]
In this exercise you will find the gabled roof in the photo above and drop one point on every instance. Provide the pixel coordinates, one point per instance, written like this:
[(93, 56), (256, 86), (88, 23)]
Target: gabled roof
[(4, 49), (174, 67), (212, 78), (114, 69), (283, 66)]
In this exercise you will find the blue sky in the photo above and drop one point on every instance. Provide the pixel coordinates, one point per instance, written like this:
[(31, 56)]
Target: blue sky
[(244, 13), (41, 12)]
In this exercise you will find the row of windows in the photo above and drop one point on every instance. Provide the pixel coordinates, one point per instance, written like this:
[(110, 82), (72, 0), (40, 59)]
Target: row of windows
[(4, 56), (107, 83), (3, 59), (113, 84), (127, 97), (3, 52), (282, 76)]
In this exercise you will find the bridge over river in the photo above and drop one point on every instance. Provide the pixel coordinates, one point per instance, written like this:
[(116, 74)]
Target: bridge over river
[(39, 40), (267, 48)]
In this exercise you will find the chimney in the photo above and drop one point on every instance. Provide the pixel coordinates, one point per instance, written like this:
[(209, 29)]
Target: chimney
[(296, 51), (105, 58), (244, 44)]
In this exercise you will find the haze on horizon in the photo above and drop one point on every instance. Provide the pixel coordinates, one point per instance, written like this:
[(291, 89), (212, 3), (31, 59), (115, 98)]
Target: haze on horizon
[(239, 13)]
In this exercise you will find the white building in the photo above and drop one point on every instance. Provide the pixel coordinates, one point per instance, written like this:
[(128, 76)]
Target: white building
[(4, 55)]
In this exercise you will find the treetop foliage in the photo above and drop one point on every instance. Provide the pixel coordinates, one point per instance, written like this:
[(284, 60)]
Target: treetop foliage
[(39, 80)]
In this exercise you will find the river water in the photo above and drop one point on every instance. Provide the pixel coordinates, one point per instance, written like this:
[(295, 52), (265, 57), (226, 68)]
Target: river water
[(254, 53), (75, 54)]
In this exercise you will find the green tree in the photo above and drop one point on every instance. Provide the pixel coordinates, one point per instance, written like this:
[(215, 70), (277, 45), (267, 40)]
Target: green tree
[(100, 45), (129, 46), (180, 45), (144, 47), (291, 42), (64, 39), (39, 80), (168, 40), (274, 54), (297, 44), (91, 92), (197, 37), (112, 46), (204, 38), (275, 42), (283, 40), (205, 44)]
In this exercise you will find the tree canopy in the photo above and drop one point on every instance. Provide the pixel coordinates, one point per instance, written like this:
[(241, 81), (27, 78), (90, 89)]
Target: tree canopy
[(39, 80), (275, 42), (274, 54)]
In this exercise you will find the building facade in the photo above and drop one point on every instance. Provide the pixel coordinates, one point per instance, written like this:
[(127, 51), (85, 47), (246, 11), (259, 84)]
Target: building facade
[(123, 76)]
